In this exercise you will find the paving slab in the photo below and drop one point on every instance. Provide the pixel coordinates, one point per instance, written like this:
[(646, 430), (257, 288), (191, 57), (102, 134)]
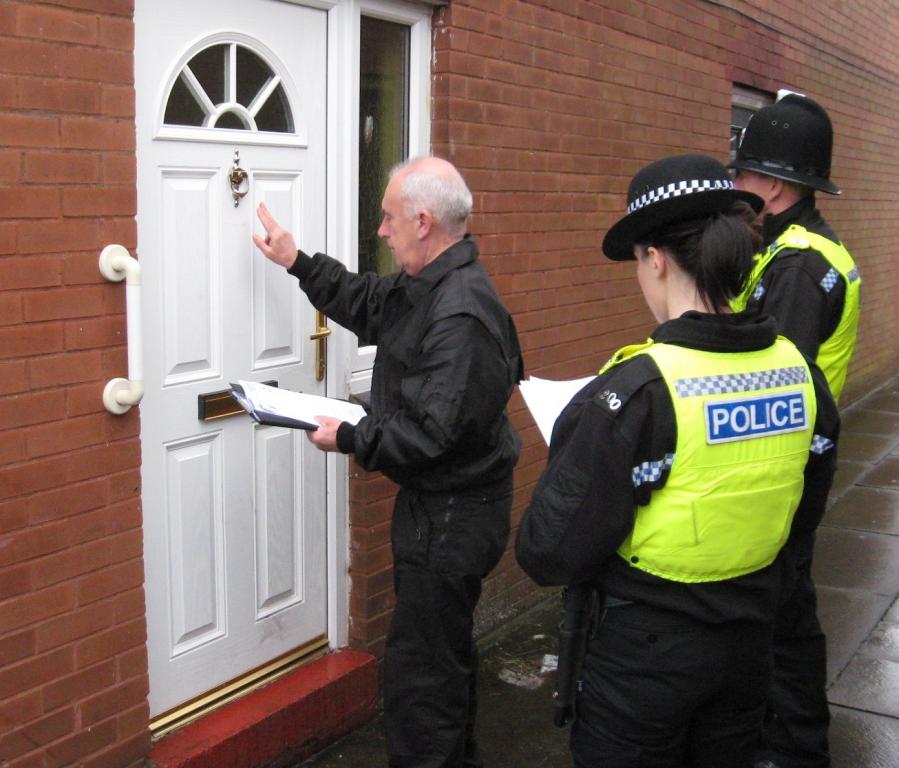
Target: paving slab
[(866, 509), (847, 616), (862, 739)]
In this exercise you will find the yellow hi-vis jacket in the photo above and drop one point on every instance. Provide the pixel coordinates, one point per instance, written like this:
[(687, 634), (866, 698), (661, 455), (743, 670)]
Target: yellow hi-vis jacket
[(745, 425), (835, 352)]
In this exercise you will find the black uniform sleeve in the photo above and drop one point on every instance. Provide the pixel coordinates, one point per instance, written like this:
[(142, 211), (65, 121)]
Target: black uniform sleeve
[(351, 300), (806, 314), (822, 461), (584, 503), (450, 400)]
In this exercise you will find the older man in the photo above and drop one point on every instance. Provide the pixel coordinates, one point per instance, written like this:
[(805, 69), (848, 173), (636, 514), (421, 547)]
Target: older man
[(447, 361)]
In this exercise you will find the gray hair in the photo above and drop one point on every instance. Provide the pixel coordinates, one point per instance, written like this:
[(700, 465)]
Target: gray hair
[(435, 185)]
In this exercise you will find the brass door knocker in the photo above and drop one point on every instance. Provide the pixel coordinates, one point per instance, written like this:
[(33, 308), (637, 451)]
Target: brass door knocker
[(237, 177)]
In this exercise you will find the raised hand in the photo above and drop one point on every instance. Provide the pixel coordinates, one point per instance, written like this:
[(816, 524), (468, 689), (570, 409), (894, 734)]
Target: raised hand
[(278, 244)]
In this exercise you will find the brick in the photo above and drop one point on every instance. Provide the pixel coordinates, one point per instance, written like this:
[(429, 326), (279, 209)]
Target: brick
[(117, 101), (28, 131), (8, 238), (117, 33), (130, 605), (111, 458), (106, 7), (15, 581), (30, 272), (11, 161), (44, 730), (13, 515), (96, 133), (98, 64), (73, 688), (33, 408), (73, 626), (110, 581), (113, 700), (18, 711), (14, 647), (126, 754), (32, 57), (132, 663), (119, 169), (29, 202), (67, 368), (72, 749), (27, 609), (12, 447), (62, 167), (69, 500), (61, 236), (100, 202), (56, 24), (58, 95), (34, 672), (69, 563), (111, 643), (82, 301)]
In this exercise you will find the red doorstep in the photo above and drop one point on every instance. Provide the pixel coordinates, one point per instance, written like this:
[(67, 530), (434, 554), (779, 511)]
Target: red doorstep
[(290, 719)]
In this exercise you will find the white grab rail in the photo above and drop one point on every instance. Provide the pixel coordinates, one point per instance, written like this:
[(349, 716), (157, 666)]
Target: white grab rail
[(117, 264)]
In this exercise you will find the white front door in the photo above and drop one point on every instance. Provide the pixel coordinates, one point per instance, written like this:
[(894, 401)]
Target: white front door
[(234, 513)]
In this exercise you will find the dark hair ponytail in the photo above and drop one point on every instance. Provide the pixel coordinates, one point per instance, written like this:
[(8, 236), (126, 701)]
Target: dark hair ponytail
[(716, 251)]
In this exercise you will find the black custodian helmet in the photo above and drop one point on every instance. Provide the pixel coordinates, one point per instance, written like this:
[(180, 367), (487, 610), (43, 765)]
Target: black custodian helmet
[(792, 140)]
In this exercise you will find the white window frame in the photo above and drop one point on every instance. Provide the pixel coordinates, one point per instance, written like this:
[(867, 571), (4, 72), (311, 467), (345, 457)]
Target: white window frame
[(352, 371)]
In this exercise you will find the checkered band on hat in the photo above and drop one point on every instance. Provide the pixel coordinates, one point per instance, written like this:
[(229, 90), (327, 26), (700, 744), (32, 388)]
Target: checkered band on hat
[(852, 275), (727, 383), (650, 471), (677, 189), (830, 280), (820, 444)]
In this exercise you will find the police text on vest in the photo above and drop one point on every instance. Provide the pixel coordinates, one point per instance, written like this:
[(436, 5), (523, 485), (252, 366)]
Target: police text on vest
[(750, 417)]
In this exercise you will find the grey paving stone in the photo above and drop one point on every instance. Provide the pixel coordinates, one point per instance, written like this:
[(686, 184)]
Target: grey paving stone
[(871, 685), (862, 739)]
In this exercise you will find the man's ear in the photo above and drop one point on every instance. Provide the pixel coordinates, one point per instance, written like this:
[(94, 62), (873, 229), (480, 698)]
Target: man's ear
[(425, 223)]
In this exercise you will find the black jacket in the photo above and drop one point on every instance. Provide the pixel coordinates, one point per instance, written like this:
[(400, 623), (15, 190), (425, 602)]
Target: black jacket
[(447, 361), (791, 285), (585, 502)]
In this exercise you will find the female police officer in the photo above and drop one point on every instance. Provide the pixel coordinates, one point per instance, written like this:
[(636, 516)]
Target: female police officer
[(673, 481)]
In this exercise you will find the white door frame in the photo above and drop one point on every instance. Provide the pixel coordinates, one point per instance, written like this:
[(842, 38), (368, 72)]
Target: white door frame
[(341, 231)]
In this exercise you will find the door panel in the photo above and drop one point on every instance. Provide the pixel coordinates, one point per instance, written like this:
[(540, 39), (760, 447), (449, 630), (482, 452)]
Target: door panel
[(234, 512)]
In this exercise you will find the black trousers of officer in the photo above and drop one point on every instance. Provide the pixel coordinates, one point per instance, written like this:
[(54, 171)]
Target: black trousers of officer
[(663, 690), (444, 544), (795, 734)]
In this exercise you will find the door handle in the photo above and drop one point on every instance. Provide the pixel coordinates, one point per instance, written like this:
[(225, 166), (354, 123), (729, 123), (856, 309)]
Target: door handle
[(116, 264), (320, 337)]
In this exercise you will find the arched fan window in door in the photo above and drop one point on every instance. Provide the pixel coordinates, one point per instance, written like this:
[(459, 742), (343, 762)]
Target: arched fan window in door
[(229, 86)]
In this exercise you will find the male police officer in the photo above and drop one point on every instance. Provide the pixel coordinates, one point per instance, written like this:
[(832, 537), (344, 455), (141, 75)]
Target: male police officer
[(807, 280)]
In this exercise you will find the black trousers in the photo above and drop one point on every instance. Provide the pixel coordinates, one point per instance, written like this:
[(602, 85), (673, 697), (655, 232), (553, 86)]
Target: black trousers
[(795, 734), (662, 690), (444, 544)]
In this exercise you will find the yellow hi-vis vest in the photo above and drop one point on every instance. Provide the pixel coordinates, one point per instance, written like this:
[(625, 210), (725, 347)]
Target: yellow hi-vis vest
[(834, 353), (745, 424)]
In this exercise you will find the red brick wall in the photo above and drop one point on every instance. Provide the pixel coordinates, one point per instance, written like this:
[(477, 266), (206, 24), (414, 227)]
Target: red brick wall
[(73, 669), (549, 106)]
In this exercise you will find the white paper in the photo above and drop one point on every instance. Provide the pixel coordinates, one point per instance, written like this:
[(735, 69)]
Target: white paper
[(298, 405), (546, 399)]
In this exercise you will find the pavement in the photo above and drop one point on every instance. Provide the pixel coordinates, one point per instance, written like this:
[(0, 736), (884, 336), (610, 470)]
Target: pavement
[(857, 574)]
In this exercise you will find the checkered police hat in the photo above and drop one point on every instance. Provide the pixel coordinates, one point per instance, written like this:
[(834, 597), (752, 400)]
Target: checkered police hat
[(669, 190)]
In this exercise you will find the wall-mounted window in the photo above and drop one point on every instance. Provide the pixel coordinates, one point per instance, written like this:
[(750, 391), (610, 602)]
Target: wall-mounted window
[(383, 128), (744, 102)]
